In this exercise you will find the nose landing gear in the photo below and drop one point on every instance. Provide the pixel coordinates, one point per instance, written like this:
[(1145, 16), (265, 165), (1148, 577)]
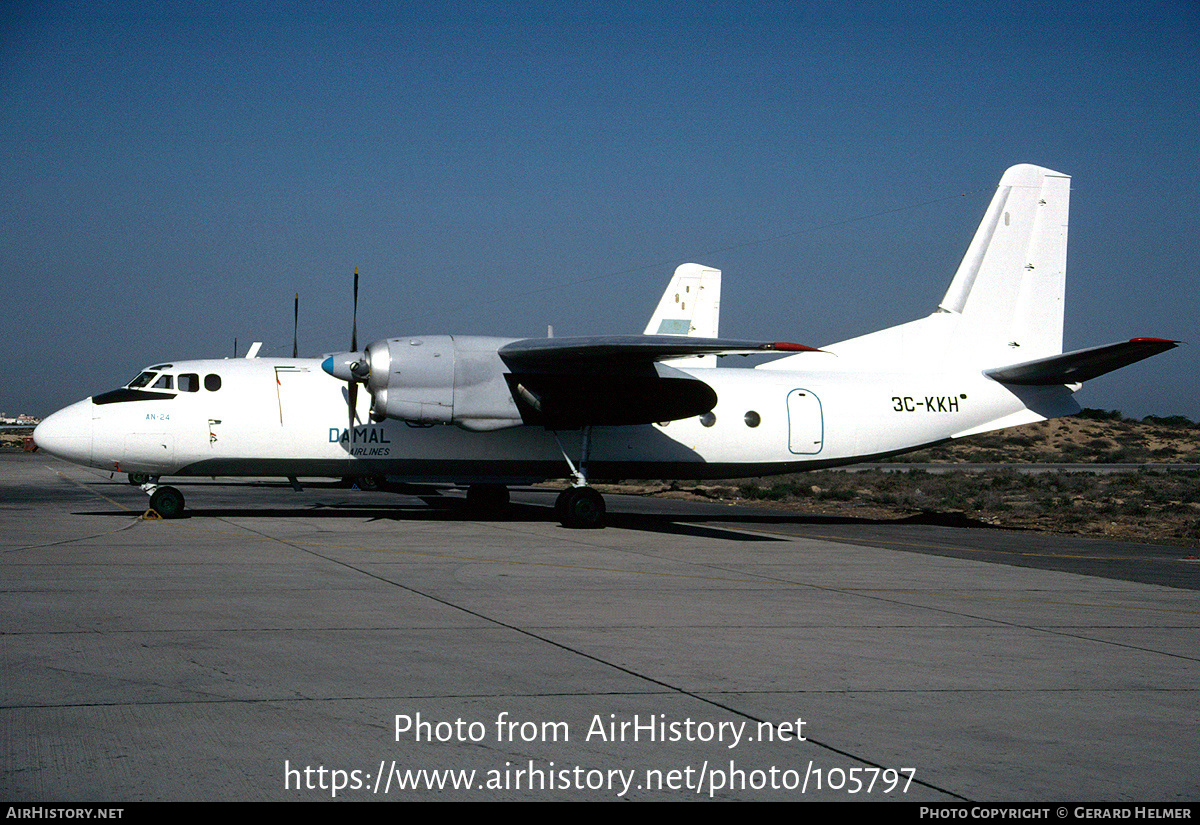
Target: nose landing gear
[(166, 501)]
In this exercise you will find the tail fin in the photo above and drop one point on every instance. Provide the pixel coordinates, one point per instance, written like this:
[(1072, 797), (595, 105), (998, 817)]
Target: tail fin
[(1002, 315), (1009, 288), (1005, 302), (691, 306)]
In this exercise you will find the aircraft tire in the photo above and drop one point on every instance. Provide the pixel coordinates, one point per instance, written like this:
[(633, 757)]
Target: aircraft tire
[(167, 502), (580, 508), (138, 479)]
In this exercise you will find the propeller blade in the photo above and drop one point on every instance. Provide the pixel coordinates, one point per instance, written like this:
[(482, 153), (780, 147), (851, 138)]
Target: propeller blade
[(296, 328), (354, 327), (352, 397)]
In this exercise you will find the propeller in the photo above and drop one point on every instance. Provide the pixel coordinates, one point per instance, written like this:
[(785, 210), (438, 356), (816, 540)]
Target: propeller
[(352, 367), (359, 368)]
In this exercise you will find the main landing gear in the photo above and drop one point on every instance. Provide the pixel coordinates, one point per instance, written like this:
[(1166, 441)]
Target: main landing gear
[(166, 501), (580, 506)]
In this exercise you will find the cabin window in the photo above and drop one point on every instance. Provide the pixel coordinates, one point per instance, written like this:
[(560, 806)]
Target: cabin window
[(165, 382), (753, 419), (189, 382), (708, 419), (212, 382)]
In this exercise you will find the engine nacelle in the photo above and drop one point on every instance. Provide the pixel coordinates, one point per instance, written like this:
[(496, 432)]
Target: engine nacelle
[(464, 380), (441, 379)]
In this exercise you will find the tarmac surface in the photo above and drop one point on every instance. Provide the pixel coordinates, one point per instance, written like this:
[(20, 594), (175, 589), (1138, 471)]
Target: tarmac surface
[(335, 643)]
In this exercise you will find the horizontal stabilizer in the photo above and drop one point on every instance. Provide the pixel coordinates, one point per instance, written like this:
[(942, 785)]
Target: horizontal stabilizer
[(1081, 365), (615, 350)]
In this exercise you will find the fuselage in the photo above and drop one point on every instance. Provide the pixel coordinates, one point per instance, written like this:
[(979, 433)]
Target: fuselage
[(287, 417)]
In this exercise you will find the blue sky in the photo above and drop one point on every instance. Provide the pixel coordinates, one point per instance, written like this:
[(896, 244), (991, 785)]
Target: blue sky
[(174, 172)]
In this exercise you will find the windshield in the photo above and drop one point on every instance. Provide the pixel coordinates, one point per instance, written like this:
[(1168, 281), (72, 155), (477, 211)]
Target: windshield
[(142, 380)]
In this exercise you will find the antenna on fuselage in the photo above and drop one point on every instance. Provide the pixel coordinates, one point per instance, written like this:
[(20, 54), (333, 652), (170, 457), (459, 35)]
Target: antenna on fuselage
[(296, 327)]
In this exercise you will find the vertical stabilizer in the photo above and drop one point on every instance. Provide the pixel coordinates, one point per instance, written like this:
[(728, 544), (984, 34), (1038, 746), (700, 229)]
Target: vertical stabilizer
[(1009, 287), (1005, 303)]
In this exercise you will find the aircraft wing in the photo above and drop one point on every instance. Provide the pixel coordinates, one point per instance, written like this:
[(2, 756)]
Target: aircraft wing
[(566, 383), (620, 350), (1081, 365)]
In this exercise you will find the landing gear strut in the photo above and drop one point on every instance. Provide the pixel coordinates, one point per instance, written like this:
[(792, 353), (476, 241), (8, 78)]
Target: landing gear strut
[(580, 506)]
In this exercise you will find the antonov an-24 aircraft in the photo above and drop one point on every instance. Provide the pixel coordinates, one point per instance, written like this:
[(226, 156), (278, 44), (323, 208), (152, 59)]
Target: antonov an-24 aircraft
[(488, 412)]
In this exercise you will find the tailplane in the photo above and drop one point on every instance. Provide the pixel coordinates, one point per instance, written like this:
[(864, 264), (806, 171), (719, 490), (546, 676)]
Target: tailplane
[(1080, 365)]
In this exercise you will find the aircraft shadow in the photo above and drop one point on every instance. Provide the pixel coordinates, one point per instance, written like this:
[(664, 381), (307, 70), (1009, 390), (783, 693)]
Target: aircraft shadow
[(434, 508)]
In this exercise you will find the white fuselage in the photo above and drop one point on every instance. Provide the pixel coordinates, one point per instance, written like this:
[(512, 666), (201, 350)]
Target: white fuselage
[(286, 417)]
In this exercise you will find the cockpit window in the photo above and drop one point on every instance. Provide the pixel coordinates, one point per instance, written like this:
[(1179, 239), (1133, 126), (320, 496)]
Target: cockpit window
[(142, 380), (165, 382), (212, 382), (189, 382)]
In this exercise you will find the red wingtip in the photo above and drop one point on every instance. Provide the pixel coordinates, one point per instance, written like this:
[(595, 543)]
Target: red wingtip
[(786, 346)]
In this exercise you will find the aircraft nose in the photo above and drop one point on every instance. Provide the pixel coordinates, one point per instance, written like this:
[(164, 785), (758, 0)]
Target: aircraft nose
[(67, 433)]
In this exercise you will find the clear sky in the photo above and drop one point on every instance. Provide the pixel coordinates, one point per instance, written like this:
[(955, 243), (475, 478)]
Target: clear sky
[(172, 173)]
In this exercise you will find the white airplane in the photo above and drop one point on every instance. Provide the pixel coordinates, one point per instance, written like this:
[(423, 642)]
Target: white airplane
[(489, 412)]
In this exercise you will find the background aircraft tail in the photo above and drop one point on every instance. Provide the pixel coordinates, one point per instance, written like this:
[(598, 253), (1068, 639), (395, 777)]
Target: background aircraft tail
[(690, 306)]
